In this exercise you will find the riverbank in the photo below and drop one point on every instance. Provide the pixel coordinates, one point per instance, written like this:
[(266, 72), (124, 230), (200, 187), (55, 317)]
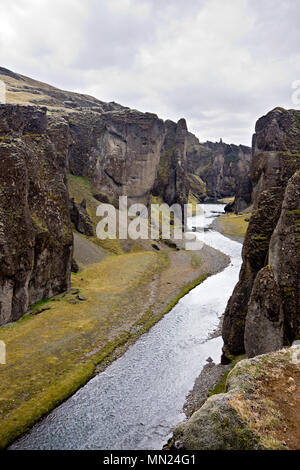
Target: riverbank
[(65, 341), (232, 226)]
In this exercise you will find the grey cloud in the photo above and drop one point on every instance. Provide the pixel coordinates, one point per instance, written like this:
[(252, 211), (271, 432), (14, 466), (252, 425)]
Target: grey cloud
[(218, 64)]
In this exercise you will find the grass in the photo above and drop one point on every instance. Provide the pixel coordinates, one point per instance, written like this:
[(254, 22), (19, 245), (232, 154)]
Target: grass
[(52, 354), (220, 387), (185, 290), (234, 225)]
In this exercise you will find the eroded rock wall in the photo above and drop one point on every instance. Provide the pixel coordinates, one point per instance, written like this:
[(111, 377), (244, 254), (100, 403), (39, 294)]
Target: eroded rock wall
[(118, 150), (35, 231), (220, 166), (171, 182), (263, 312)]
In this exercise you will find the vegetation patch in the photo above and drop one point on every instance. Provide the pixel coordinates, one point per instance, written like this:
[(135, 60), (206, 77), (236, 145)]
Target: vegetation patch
[(234, 225), (221, 385)]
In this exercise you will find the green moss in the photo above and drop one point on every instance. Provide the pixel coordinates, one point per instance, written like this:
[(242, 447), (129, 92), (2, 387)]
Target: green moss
[(39, 304), (295, 212), (80, 188), (221, 385)]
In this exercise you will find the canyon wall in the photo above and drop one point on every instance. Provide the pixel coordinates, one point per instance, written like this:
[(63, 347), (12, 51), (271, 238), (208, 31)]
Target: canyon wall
[(35, 231), (118, 150), (171, 181), (218, 165), (263, 312), (121, 151)]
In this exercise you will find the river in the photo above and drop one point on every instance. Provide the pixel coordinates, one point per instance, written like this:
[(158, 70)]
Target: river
[(139, 398)]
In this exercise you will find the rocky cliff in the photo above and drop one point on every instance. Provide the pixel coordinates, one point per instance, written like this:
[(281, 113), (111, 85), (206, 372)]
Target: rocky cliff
[(35, 230), (118, 150), (126, 152), (171, 182), (116, 147), (121, 151), (218, 165), (263, 313)]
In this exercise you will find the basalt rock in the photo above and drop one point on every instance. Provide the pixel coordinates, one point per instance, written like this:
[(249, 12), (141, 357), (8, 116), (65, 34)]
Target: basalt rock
[(118, 150), (220, 166), (263, 311), (80, 218), (116, 147), (35, 230), (171, 182), (243, 196)]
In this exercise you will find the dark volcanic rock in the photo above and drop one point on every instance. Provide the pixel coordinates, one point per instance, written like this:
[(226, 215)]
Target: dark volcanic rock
[(35, 231), (269, 276), (171, 181), (81, 218), (220, 166), (243, 196), (118, 150)]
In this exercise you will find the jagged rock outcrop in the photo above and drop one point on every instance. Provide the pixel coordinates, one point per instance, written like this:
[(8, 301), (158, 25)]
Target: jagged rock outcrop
[(116, 147), (220, 166), (243, 195), (80, 218), (257, 412), (171, 180), (118, 150), (35, 230), (263, 312)]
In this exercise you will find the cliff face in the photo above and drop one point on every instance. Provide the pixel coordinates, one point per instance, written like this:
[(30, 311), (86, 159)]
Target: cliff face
[(263, 313), (220, 166), (171, 180), (116, 147), (35, 230), (118, 150)]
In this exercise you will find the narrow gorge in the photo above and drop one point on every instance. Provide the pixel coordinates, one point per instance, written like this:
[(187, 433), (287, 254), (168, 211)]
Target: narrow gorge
[(89, 324)]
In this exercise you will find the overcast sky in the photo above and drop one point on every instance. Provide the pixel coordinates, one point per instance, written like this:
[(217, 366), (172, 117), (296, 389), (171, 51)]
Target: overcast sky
[(220, 64)]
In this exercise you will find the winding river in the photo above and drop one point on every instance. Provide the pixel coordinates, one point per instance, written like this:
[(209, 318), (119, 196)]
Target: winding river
[(140, 396)]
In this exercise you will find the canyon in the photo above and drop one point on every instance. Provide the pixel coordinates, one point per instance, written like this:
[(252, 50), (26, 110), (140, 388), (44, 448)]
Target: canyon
[(121, 151), (63, 153)]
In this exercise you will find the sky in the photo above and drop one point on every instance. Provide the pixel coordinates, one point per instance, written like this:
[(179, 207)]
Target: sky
[(220, 64)]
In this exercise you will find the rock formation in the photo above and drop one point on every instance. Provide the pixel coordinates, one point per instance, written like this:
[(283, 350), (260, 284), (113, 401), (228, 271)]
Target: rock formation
[(35, 231), (80, 218), (171, 181), (118, 150), (220, 166), (263, 313), (254, 413), (121, 151), (243, 195)]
